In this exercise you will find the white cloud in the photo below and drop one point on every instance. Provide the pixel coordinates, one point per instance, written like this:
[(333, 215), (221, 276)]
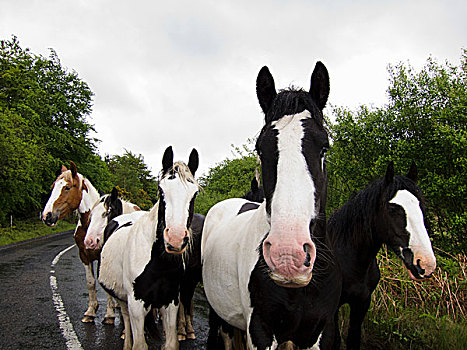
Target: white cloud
[(183, 73)]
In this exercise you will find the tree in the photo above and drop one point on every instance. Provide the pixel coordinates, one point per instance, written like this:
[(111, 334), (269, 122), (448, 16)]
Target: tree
[(134, 179), (425, 121), (229, 179), (43, 116)]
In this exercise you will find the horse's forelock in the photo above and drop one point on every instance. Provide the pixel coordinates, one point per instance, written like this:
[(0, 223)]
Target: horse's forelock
[(183, 172)]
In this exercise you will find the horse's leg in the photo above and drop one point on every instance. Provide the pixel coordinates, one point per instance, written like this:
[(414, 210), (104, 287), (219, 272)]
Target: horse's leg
[(357, 314), (137, 316), (109, 317), (262, 335), (181, 323), (126, 325), (250, 346), (90, 313), (190, 331), (169, 321), (330, 338)]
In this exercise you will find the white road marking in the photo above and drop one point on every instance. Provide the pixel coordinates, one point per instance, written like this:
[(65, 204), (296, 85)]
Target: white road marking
[(72, 342)]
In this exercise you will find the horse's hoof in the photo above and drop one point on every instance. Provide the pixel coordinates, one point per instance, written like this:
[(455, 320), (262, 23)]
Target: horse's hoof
[(109, 321), (87, 319), (181, 337), (191, 335), (123, 335)]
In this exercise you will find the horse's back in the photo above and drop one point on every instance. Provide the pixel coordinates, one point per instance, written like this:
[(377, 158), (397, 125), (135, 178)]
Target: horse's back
[(111, 265), (229, 255)]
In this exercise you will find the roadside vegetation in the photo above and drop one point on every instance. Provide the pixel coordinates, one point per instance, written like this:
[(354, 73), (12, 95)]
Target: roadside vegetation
[(425, 120)]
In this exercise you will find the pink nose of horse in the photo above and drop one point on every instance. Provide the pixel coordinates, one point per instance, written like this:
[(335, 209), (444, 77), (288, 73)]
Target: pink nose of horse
[(90, 243), (176, 239), (290, 259)]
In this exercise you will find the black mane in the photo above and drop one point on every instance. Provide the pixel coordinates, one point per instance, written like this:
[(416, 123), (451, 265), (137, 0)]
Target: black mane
[(291, 101), (351, 221)]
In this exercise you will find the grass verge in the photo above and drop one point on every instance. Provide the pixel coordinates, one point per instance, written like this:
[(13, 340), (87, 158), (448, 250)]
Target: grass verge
[(25, 229), (406, 314)]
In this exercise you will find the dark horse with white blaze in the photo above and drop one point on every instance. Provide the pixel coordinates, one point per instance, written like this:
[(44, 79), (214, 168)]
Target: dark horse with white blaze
[(389, 211), (72, 191), (269, 271)]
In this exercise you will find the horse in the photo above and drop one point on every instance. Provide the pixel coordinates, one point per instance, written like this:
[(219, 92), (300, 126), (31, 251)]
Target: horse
[(143, 262), (107, 208), (72, 191), (389, 211), (269, 271), (111, 206)]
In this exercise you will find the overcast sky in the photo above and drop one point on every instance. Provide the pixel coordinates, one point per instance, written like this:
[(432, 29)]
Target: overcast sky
[(183, 73)]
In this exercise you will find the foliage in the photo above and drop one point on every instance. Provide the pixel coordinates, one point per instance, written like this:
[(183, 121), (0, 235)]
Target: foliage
[(425, 121), (43, 111), (229, 179), (134, 180)]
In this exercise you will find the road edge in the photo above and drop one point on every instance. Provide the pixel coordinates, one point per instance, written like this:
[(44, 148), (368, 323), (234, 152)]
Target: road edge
[(6, 246)]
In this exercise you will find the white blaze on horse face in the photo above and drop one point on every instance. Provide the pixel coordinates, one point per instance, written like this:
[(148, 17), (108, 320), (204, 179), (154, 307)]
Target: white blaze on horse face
[(288, 245), (56, 191), (97, 224), (177, 197), (419, 241)]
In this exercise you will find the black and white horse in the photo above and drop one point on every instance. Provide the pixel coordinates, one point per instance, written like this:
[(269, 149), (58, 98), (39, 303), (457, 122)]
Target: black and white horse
[(105, 210), (143, 260), (269, 271), (389, 211)]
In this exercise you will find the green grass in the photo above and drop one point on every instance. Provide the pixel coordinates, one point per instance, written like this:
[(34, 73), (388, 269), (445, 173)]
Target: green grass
[(25, 229), (429, 315)]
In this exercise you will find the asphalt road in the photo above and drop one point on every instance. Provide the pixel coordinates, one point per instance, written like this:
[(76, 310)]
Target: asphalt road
[(42, 303)]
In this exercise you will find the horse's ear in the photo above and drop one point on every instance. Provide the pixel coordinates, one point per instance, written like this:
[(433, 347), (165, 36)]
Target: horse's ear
[(193, 161), (319, 85), (265, 89), (413, 172), (114, 194), (167, 159), (63, 169), (389, 177), (74, 170), (254, 185), (83, 186)]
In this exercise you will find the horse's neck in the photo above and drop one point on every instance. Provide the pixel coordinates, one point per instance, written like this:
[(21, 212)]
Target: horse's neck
[(89, 198), (146, 226), (356, 230), (129, 207)]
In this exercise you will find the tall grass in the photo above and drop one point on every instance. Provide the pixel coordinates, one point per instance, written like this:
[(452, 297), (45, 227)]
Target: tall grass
[(407, 314)]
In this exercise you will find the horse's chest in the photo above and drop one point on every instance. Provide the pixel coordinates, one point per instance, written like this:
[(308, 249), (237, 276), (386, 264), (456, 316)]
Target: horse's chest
[(159, 283)]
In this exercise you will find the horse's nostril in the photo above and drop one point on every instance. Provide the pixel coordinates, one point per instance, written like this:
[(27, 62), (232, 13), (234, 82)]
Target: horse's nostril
[(421, 271), (307, 262)]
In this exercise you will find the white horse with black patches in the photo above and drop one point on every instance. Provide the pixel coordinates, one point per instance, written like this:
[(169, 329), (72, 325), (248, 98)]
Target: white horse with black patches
[(105, 210), (72, 191), (142, 262), (269, 271)]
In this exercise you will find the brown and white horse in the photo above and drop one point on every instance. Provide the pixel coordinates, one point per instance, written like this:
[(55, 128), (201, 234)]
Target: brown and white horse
[(72, 191)]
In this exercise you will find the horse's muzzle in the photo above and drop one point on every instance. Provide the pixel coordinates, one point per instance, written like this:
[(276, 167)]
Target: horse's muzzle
[(171, 249), (50, 220)]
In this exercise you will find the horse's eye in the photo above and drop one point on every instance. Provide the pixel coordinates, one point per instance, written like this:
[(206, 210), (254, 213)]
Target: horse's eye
[(67, 188)]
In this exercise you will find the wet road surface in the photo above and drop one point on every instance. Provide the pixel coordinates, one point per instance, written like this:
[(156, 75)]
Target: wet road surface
[(29, 317)]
